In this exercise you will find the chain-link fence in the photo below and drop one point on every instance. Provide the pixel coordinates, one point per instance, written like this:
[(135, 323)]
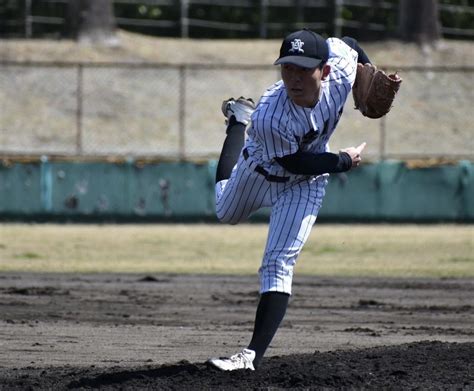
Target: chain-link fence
[(168, 111)]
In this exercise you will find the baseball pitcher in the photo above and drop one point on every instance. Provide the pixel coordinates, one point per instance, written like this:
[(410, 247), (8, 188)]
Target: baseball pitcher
[(284, 162)]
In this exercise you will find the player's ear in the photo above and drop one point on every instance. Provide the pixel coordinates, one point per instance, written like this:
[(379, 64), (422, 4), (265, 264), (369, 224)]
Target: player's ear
[(325, 71)]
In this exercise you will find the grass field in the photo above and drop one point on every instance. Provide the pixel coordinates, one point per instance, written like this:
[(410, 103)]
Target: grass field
[(342, 250)]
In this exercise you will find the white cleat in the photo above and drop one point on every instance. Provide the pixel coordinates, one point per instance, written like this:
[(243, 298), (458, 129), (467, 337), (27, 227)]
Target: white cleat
[(242, 360), (241, 109)]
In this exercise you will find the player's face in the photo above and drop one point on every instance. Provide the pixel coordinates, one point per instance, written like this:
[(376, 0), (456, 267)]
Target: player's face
[(303, 84)]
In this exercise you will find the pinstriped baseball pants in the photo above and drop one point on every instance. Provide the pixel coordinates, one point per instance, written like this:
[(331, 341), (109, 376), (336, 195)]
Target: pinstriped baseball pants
[(294, 209)]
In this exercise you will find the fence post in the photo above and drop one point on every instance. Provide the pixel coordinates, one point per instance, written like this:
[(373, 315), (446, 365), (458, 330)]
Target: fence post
[(263, 18), (299, 12), (338, 4), (383, 137), (79, 97), (184, 19), (28, 26), (46, 185), (182, 112)]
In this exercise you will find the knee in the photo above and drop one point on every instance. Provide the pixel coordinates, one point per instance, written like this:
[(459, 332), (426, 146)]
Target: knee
[(226, 218)]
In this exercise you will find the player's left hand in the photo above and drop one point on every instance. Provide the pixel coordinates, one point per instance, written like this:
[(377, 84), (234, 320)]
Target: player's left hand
[(355, 153), (374, 91)]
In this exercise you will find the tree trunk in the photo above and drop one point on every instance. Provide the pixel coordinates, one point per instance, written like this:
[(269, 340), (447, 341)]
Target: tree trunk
[(419, 21), (91, 21)]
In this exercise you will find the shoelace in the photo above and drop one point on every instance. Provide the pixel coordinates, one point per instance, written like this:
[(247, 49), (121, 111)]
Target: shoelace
[(239, 358)]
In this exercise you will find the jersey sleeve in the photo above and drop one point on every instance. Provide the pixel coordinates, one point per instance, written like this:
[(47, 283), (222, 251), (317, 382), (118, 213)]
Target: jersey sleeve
[(343, 62)]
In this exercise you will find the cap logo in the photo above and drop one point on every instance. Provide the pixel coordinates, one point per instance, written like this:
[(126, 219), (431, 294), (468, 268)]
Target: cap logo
[(297, 46)]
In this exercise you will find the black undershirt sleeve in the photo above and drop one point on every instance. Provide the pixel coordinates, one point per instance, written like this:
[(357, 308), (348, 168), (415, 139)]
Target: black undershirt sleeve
[(363, 58), (306, 163)]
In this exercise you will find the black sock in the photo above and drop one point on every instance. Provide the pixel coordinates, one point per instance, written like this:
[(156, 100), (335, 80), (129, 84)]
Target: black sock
[(233, 144), (270, 312)]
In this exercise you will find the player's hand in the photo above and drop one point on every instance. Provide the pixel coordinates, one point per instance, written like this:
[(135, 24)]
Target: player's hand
[(355, 153)]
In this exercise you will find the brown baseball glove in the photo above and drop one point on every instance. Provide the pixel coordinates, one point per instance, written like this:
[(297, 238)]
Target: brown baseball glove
[(374, 90)]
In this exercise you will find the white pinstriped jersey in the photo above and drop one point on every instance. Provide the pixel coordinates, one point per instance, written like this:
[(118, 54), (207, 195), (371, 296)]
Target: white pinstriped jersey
[(279, 127)]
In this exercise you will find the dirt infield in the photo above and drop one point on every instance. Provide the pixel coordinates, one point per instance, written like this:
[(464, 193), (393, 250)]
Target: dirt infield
[(120, 331)]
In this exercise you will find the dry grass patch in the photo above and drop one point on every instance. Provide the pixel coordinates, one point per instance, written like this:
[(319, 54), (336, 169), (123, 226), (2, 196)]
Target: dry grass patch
[(354, 250)]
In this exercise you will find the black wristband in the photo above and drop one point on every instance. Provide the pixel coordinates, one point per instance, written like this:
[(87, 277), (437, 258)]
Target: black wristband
[(345, 162)]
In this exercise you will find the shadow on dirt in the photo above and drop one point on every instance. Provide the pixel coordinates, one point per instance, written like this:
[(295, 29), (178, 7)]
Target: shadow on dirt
[(420, 365)]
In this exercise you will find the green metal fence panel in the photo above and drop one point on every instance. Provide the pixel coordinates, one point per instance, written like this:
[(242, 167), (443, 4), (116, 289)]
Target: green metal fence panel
[(173, 190), (386, 191), (392, 191), (20, 189), (466, 190), (129, 189), (68, 189), (90, 188), (352, 195), (421, 194)]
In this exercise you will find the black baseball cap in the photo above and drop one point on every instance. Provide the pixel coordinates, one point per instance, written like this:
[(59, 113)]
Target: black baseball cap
[(304, 48)]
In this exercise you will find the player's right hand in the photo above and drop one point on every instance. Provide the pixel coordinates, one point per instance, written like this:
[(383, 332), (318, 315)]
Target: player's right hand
[(355, 153)]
